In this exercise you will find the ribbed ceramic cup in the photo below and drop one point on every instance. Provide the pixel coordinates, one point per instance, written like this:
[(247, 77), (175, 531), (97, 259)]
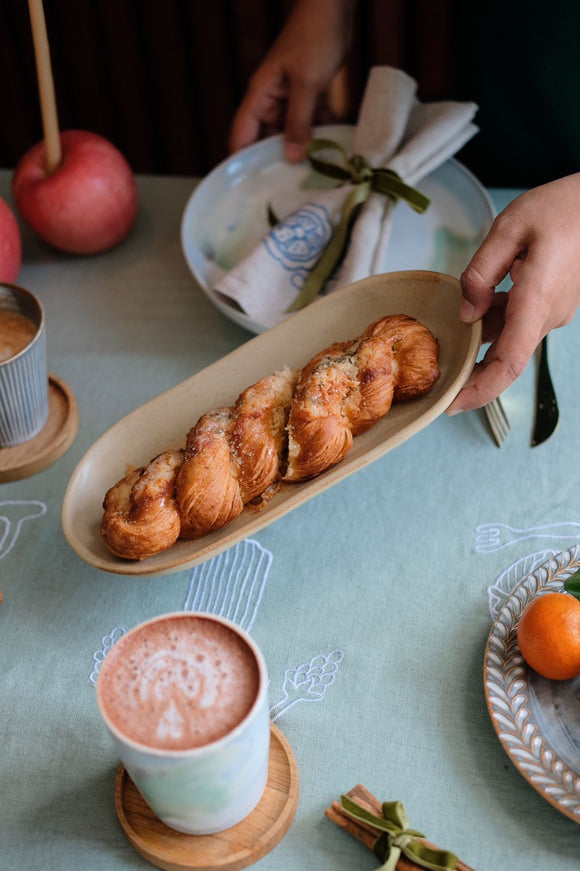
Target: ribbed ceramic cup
[(207, 788), (23, 377)]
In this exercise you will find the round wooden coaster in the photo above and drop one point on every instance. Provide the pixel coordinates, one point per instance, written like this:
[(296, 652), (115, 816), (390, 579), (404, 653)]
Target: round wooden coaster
[(230, 850), (56, 436)]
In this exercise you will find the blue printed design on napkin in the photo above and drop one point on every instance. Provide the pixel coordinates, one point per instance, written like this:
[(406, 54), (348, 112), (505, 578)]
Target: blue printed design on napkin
[(299, 239)]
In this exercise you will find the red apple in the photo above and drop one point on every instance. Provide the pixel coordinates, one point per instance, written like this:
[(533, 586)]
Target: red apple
[(10, 244), (88, 204)]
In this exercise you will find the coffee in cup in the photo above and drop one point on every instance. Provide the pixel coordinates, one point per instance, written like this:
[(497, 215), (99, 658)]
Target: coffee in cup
[(184, 697), (16, 332)]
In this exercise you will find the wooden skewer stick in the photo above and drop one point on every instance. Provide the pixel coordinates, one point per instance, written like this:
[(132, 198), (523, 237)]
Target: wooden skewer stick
[(45, 86)]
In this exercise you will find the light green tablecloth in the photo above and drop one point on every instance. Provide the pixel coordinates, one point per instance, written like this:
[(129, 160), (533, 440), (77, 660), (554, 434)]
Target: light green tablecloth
[(376, 592)]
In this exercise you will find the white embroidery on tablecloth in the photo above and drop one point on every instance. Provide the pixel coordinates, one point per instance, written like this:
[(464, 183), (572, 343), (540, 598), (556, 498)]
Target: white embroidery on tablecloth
[(13, 513), (231, 584), (106, 643), (490, 537), (307, 682)]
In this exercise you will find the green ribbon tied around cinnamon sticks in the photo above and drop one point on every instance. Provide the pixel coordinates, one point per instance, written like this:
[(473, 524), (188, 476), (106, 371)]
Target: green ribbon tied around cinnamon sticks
[(397, 838), (356, 170)]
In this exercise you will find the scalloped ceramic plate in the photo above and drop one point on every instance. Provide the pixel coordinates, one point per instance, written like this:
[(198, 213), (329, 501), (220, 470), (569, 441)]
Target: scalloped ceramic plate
[(536, 720), (163, 422), (226, 215)]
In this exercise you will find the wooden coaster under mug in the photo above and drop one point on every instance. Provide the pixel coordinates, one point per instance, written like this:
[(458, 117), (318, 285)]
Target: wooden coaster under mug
[(229, 850), (53, 440)]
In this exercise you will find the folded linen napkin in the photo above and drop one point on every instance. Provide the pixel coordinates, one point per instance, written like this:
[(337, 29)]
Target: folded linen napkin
[(394, 130)]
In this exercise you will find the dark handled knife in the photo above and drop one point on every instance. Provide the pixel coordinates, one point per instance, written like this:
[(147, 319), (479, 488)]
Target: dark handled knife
[(547, 414)]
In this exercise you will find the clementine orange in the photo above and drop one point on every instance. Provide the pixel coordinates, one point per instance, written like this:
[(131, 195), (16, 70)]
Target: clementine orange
[(549, 635)]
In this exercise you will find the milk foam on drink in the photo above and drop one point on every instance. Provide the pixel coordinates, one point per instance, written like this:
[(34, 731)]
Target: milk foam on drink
[(179, 683)]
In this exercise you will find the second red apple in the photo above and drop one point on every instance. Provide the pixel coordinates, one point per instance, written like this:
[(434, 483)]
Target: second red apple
[(10, 245)]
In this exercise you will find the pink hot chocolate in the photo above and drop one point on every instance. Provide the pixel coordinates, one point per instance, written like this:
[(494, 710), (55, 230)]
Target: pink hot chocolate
[(178, 683)]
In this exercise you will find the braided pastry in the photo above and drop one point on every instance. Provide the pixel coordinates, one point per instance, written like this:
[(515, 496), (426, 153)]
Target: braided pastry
[(141, 516), (415, 353), (341, 392), (288, 427), (233, 455)]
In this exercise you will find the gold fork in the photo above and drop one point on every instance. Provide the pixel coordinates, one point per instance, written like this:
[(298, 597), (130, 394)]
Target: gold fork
[(497, 420)]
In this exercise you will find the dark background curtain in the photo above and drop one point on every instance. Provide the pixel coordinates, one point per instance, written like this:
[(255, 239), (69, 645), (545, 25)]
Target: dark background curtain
[(162, 78)]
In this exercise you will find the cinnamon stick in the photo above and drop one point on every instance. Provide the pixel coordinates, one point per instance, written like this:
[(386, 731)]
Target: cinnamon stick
[(364, 832)]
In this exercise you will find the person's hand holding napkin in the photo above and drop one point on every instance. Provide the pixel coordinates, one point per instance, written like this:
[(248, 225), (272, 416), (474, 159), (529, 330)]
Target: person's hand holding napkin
[(395, 132)]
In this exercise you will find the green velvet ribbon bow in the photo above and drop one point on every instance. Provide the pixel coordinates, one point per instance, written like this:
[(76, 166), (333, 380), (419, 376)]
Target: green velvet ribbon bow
[(398, 838), (365, 179)]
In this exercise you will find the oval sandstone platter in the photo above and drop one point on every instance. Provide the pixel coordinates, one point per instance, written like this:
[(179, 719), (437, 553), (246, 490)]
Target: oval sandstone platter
[(163, 422)]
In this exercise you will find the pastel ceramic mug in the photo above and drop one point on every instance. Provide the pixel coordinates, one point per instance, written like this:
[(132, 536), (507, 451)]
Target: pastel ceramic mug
[(184, 698), (23, 367)]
